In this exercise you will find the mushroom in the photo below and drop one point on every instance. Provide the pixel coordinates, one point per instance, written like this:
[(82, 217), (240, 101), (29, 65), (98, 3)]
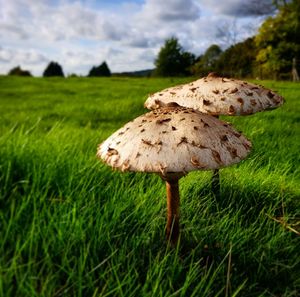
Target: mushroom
[(171, 142), (216, 96)]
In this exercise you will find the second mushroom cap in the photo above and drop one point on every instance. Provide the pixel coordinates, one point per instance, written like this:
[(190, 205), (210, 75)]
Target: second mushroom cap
[(217, 96)]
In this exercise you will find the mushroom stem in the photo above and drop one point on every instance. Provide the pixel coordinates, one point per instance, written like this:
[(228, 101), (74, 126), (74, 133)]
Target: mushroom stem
[(215, 182), (172, 228)]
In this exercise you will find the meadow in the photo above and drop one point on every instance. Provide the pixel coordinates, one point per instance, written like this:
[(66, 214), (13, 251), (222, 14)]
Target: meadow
[(70, 226)]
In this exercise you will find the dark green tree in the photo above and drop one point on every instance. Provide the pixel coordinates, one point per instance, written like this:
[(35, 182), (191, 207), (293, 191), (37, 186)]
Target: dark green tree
[(207, 62), (101, 70), (53, 69), (278, 41), (172, 60), (238, 60), (19, 72)]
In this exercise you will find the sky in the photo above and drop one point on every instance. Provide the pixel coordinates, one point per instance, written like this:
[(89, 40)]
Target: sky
[(127, 34)]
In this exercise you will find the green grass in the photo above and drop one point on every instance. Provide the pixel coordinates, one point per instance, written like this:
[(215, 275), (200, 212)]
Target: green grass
[(69, 226)]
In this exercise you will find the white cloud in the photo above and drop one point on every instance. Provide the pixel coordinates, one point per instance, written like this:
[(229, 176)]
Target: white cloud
[(28, 59), (240, 8), (170, 10), (5, 55), (80, 34)]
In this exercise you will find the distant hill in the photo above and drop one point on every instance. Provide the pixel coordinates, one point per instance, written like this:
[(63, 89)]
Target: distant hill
[(140, 73)]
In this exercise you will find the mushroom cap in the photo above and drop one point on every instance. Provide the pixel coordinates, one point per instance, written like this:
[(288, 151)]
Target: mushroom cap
[(217, 96), (174, 140)]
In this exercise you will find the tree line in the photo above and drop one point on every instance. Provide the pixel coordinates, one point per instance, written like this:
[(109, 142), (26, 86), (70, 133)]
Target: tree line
[(273, 53), (55, 69)]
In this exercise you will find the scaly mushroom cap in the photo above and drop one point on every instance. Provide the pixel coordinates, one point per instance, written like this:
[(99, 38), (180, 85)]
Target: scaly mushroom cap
[(173, 140), (217, 96)]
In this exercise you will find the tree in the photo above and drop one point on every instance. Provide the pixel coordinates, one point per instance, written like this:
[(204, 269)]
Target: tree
[(53, 69), (238, 60), (172, 60), (19, 72), (101, 70), (207, 62), (278, 41)]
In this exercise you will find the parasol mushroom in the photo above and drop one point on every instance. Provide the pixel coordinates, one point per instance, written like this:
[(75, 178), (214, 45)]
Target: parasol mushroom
[(216, 96), (171, 142)]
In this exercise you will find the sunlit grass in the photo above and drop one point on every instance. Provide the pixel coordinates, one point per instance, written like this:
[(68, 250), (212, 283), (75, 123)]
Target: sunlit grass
[(70, 226)]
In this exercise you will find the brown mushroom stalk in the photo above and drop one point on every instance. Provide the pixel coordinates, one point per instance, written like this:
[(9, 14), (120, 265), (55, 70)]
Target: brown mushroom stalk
[(215, 184), (173, 200)]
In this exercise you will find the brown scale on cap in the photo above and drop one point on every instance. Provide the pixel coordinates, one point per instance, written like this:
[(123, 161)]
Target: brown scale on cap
[(219, 94), (125, 165), (240, 100), (206, 102), (182, 140), (237, 134), (159, 150), (231, 109), (161, 121), (147, 142), (205, 125), (270, 95), (111, 152), (233, 91), (232, 151), (224, 138), (217, 157), (247, 145), (195, 162)]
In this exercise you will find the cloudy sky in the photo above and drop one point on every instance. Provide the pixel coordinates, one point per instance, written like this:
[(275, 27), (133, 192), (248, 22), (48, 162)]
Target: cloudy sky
[(127, 34)]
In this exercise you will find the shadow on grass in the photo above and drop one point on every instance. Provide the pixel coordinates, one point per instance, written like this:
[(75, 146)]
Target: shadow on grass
[(248, 199)]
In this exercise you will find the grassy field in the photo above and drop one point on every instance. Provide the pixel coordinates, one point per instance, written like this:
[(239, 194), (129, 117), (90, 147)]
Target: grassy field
[(69, 226)]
